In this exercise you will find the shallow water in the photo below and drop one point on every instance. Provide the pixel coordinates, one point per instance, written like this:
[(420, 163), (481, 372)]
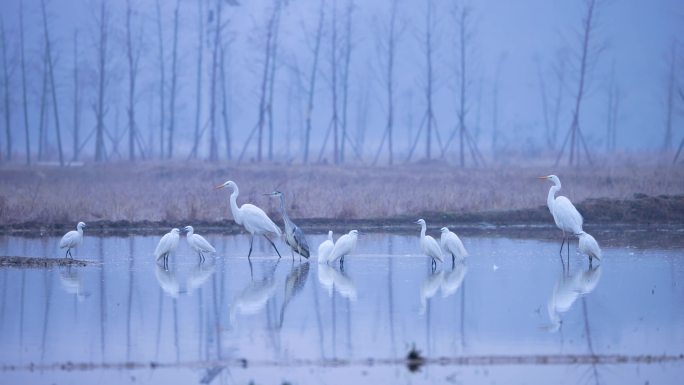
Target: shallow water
[(511, 314)]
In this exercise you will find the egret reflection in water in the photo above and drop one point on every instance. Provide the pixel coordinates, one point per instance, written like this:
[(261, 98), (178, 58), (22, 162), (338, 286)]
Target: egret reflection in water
[(567, 290), (335, 280)]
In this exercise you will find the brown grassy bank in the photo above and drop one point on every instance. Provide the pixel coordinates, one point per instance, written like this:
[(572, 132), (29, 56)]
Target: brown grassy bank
[(160, 194)]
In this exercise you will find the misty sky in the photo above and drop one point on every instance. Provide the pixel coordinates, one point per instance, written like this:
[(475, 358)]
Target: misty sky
[(637, 36)]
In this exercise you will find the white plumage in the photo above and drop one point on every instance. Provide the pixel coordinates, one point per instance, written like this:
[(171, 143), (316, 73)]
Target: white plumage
[(589, 246), (167, 244), (325, 248), (252, 218), (198, 243), (566, 216), (72, 239), (451, 244), (428, 244), (345, 245)]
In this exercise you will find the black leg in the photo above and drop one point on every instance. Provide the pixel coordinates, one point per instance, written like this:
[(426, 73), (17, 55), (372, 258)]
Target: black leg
[(251, 243), (275, 248), (434, 265), (562, 244)]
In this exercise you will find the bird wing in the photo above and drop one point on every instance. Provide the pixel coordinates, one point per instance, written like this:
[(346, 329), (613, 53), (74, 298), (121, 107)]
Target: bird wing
[(68, 239), (455, 246), (566, 215), (203, 244), (324, 250), (302, 245), (165, 245), (255, 219), (432, 248), (342, 247), (589, 246)]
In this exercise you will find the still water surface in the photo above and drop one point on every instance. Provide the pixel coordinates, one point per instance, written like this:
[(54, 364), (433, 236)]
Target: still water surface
[(510, 314)]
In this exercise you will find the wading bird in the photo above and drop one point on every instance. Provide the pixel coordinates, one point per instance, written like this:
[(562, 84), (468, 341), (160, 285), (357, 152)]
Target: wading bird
[(451, 244), (428, 244), (344, 245), (566, 216), (252, 218), (72, 239), (167, 245), (325, 248), (198, 243), (589, 246), (294, 236)]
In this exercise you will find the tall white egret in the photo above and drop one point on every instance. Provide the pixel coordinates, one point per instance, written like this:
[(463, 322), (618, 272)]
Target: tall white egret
[(198, 243), (252, 218), (566, 216), (72, 239), (294, 236), (346, 244), (167, 245), (428, 244), (589, 246), (451, 244), (325, 248)]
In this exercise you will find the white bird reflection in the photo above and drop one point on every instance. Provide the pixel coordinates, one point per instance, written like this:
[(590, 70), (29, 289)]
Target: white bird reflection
[(167, 281), (254, 297), (567, 290), (332, 279), (72, 284), (429, 288), (454, 279), (199, 275)]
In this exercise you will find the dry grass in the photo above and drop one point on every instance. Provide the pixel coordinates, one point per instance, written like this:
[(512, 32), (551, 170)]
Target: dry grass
[(184, 191)]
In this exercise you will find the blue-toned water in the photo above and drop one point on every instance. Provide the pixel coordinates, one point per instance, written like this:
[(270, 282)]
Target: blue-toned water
[(510, 314)]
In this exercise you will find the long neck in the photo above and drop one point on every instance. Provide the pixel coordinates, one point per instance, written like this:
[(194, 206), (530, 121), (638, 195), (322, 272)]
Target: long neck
[(190, 232), (80, 230), (234, 209), (282, 208), (550, 200), (422, 230), (330, 238)]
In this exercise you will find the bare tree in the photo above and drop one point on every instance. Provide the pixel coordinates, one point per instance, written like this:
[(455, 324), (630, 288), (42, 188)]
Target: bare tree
[(162, 80), (588, 55), (669, 106), (23, 83), (5, 76), (213, 144), (612, 113), (198, 92), (133, 55), (312, 80), (77, 101), (225, 101), (544, 104), (42, 122), (174, 81), (464, 39), (334, 57), (559, 71), (55, 108), (345, 75), (100, 111), (272, 75), (388, 47), (495, 106)]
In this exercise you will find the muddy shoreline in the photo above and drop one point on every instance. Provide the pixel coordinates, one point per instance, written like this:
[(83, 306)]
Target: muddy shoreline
[(641, 211)]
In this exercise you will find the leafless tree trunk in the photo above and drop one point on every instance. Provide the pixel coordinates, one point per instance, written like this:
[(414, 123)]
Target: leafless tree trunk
[(544, 104), (345, 76), (333, 69), (43, 105), (612, 113), (198, 97), (669, 107), (162, 80), (312, 81), (5, 75), (495, 107), (23, 83), (558, 101), (102, 83), (225, 96), (388, 47), (133, 55), (274, 54), (174, 78), (213, 145), (77, 101), (52, 84), (588, 55)]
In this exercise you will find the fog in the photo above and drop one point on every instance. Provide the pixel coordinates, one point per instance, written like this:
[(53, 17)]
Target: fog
[(517, 95)]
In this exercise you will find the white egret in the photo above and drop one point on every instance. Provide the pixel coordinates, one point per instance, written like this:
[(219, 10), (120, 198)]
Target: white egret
[(589, 246), (325, 248), (198, 243), (428, 244), (566, 216), (451, 244), (167, 245), (252, 218), (72, 239), (294, 236), (344, 245)]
